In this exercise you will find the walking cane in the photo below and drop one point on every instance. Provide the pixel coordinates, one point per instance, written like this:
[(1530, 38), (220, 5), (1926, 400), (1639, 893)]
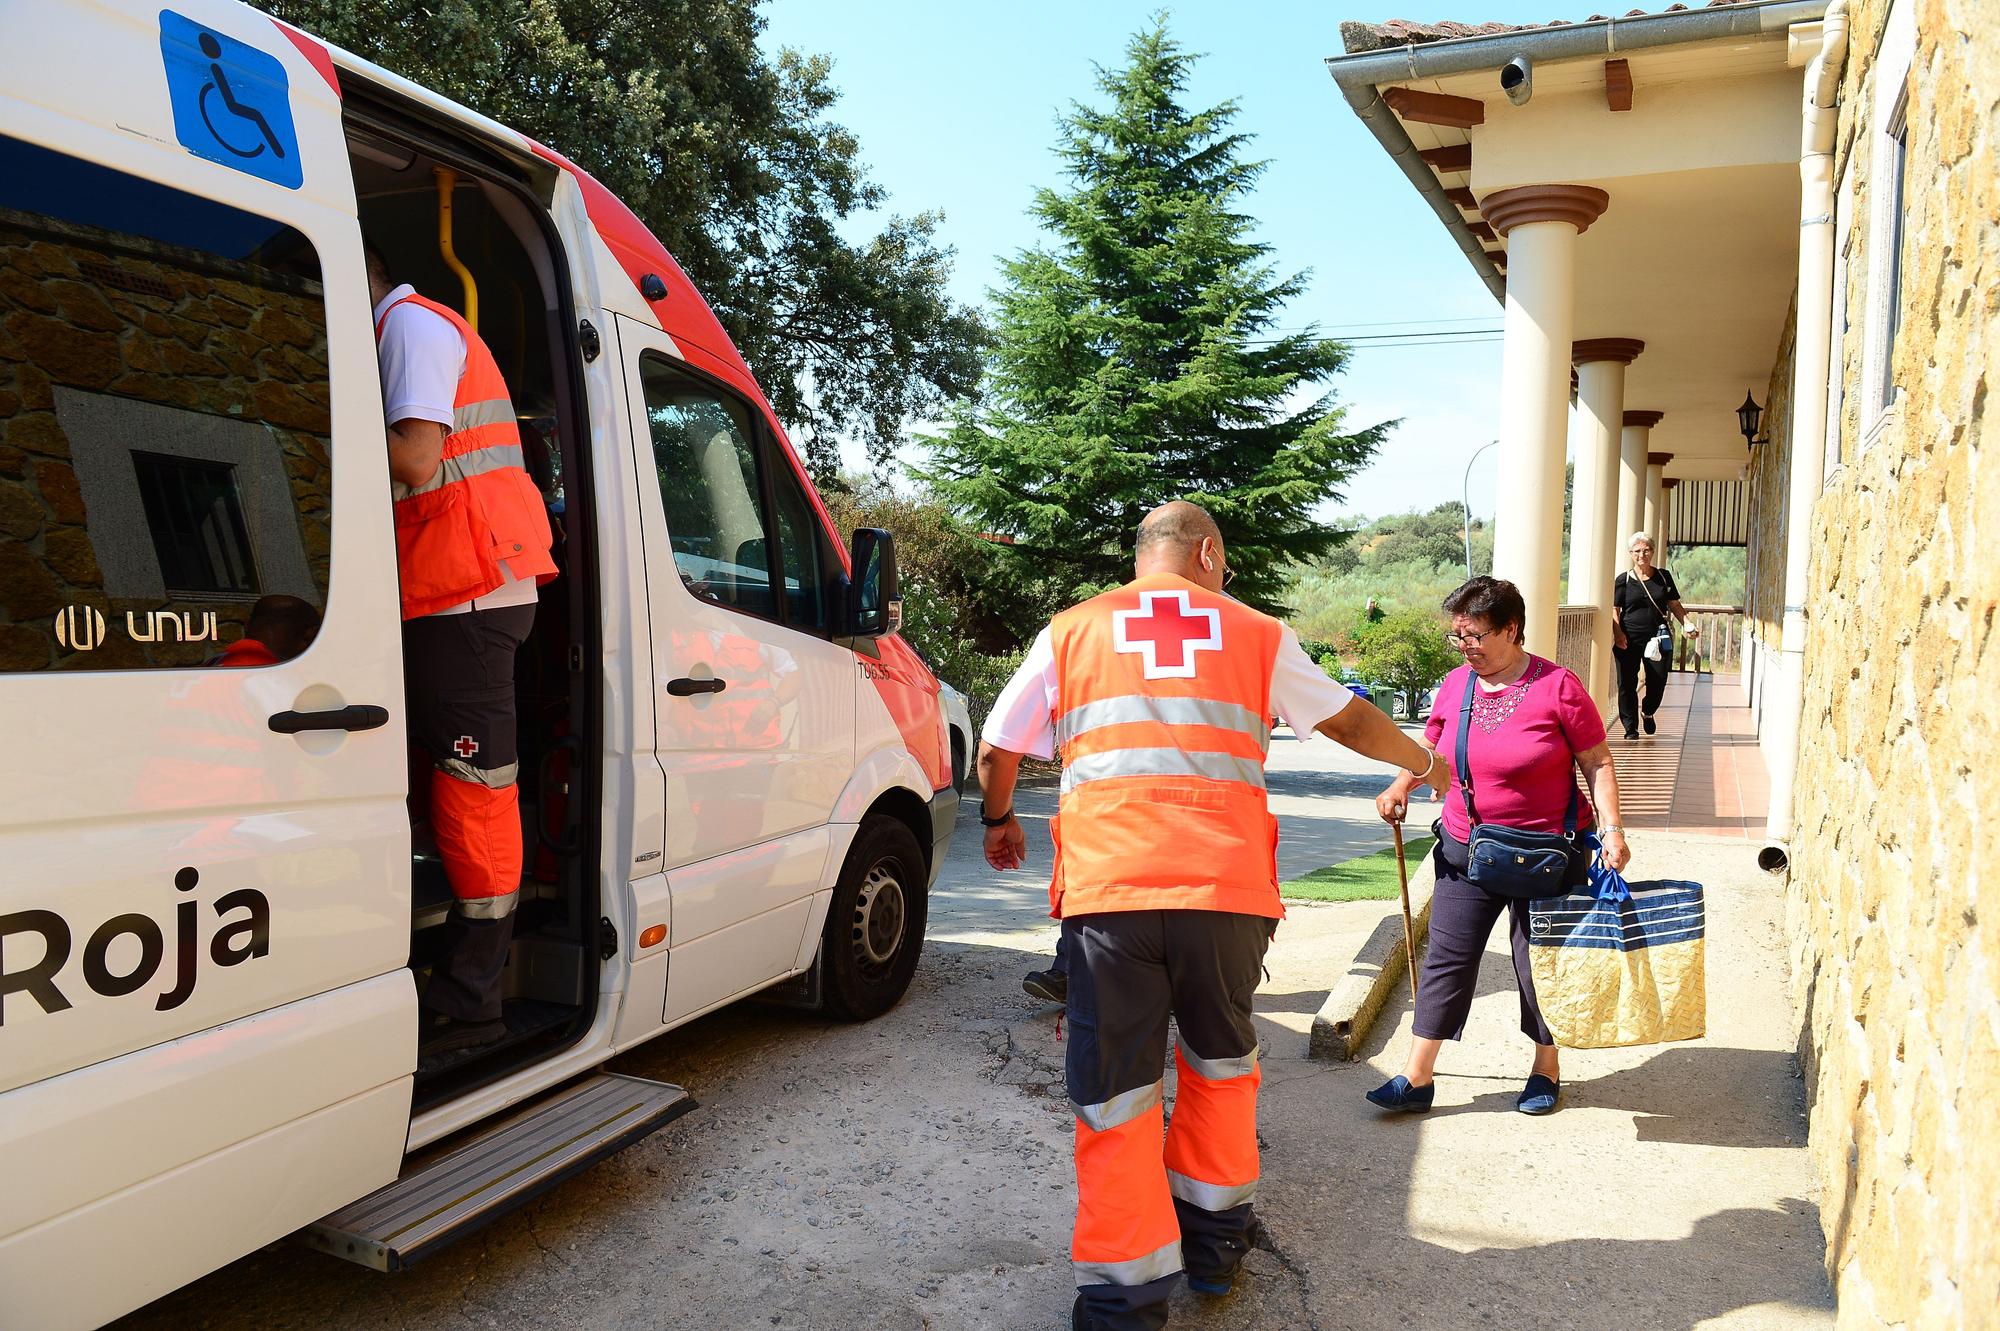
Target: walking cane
[(1409, 928)]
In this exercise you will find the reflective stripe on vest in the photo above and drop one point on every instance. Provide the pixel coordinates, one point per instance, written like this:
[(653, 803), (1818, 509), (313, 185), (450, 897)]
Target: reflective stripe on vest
[(1163, 713), (1136, 707), (1162, 762), (479, 517)]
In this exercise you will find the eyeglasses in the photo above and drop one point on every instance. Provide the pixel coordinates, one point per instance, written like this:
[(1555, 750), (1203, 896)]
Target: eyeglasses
[(1464, 640), (1228, 575)]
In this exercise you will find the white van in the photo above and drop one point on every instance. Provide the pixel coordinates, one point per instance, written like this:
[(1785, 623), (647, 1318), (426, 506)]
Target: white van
[(214, 914)]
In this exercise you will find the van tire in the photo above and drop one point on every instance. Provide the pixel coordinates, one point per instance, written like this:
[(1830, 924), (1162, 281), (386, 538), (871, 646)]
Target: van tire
[(875, 923)]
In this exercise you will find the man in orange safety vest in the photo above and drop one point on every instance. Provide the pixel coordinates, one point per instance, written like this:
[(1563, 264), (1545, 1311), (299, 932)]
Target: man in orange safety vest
[(472, 547), (1158, 696)]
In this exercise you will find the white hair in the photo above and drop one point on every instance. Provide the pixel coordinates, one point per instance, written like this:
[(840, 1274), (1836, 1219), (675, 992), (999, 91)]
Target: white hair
[(1645, 536)]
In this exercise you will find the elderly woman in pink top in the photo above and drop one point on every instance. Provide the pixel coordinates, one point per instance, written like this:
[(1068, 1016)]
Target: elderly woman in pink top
[(1533, 725)]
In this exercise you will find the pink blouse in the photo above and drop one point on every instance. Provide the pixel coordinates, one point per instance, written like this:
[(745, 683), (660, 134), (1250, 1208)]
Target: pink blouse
[(1525, 739)]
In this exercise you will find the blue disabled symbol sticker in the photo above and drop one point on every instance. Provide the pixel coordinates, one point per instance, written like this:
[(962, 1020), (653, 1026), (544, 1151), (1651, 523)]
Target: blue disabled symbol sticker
[(232, 102)]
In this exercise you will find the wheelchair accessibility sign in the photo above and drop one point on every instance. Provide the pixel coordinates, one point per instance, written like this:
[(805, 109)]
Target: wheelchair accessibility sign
[(232, 102)]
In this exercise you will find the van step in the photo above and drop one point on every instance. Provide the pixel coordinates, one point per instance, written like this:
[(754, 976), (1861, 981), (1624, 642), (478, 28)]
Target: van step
[(504, 1166)]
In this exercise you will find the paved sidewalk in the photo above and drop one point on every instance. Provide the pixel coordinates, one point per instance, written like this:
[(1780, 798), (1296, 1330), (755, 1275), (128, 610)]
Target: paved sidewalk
[(1703, 772), (1671, 1190)]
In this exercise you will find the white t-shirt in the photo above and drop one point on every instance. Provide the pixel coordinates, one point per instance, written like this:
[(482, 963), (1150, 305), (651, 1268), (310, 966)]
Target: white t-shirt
[(1023, 716), (422, 359)]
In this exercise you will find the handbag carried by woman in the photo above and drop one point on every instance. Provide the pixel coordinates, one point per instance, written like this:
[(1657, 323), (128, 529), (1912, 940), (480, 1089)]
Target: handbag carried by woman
[(1660, 646), (1512, 861)]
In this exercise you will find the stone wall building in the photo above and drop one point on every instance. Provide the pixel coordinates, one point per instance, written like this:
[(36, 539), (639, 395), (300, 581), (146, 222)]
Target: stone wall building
[(1797, 198), (1895, 925)]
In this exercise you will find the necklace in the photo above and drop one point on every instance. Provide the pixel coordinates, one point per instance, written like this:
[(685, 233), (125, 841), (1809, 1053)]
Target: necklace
[(1491, 710)]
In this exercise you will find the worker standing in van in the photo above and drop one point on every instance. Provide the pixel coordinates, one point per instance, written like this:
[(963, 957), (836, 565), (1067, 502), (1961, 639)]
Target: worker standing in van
[(1159, 695), (472, 546)]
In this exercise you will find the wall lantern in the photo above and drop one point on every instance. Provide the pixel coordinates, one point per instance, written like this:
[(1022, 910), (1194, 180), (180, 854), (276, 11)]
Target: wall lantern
[(1747, 417)]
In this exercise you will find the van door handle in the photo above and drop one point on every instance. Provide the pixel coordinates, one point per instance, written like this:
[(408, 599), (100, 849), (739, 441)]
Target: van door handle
[(684, 687), (358, 717)]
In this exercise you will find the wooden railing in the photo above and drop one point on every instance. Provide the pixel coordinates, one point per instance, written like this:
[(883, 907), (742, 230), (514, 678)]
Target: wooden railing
[(1720, 645), (1573, 629)]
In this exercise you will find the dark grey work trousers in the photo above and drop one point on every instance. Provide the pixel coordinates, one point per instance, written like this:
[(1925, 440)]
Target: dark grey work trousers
[(1128, 972), (1462, 918)]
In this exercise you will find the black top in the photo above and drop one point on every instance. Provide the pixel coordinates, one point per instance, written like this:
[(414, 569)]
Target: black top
[(1640, 620)]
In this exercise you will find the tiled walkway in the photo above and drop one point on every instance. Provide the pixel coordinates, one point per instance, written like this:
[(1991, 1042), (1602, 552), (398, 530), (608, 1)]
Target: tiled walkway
[(1703, 772)]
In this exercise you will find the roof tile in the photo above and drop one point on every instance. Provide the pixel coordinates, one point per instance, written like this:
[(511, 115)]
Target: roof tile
[(1357, 36)]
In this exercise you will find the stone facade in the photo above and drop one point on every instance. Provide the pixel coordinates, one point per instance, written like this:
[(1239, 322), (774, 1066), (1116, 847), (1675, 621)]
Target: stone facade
[(1770, 499), (99, 313), (1896, 950)]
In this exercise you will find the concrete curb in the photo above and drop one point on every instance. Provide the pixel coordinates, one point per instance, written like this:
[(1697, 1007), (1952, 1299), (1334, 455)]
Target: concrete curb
[(1343, 1021)]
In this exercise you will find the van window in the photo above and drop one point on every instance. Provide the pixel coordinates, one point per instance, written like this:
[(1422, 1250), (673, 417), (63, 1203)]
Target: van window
[(704, 449), (799, 549), (165, 421)]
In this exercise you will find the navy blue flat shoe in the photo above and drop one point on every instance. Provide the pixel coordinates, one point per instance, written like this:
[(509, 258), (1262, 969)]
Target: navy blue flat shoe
[(1398, 1095), (1538, 1096), (1215, 1286)]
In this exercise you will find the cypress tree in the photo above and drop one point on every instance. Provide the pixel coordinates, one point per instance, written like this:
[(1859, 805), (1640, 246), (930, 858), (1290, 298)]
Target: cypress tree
[(1138, 357)]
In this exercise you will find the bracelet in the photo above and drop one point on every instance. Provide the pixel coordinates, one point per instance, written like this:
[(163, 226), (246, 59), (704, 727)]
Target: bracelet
[(1610, 827), (1001, 821), (1424, 775)]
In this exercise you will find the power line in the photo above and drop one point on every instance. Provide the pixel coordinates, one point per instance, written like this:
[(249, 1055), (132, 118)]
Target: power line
[(1462, 337), (1329, 329)]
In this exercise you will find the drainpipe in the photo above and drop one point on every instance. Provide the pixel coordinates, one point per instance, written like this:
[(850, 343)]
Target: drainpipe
[(1809, 384)]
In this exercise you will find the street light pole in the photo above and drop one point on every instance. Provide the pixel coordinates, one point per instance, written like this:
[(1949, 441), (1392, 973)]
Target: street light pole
[(1465, 504)]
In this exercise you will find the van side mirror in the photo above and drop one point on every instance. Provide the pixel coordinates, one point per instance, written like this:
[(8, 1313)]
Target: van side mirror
[(874, 592)]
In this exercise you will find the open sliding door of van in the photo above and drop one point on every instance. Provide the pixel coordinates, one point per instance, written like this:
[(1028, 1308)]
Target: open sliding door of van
[(207, 1023)]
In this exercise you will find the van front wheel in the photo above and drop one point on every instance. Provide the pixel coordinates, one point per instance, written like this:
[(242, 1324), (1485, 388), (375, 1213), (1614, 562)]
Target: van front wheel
[(875, 923)]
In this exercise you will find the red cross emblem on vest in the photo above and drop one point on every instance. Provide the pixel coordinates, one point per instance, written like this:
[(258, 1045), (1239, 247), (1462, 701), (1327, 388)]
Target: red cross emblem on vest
[(1167, 631), (465, 746)]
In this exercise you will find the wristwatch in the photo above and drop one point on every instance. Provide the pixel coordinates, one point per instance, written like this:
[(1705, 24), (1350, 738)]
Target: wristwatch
[(1001, 821)]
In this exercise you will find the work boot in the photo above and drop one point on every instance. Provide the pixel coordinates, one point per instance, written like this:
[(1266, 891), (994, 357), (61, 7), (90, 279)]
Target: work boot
[(442, 1034), (1051, 986)]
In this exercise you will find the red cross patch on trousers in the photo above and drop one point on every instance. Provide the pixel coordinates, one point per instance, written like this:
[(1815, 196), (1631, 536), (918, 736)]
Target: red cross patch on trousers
[(1167, 631)]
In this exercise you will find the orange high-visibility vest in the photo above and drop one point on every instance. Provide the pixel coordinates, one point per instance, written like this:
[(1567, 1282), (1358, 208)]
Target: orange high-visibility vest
[(481, 507), (1163, 721)]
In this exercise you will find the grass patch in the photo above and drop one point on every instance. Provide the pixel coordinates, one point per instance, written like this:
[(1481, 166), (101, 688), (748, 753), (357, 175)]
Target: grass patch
[(1363, 878)]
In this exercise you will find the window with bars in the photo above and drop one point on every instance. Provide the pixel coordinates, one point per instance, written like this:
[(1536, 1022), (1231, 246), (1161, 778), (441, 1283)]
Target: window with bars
[(196, 518)]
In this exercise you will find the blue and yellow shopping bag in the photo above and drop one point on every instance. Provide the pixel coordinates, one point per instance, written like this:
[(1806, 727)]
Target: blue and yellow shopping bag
[(1621, 963)]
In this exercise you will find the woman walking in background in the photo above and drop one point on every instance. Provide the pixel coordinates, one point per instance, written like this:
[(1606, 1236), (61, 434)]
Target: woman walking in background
[(1533, 724), (1641, 601)]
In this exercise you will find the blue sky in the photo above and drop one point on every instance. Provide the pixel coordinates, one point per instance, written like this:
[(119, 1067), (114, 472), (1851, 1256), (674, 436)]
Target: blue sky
[(955, 107)]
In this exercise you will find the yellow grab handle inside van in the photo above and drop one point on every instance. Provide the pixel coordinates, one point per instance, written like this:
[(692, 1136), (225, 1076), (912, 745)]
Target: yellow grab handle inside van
[(447, 180)]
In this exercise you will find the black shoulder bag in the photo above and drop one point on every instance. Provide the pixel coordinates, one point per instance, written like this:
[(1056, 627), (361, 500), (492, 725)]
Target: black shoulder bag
[(1511, 861)]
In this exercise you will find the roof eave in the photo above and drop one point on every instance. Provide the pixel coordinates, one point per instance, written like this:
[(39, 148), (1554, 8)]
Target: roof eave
[(1362, 73)]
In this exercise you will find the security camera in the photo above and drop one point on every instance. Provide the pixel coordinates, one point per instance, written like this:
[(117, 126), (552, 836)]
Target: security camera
[(1517, 80)]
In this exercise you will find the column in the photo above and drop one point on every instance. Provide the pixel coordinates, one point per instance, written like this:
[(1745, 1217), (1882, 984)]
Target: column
[(1632, 449), (1666, 529), (1655, 465), (1593, 534), (1541, 224)]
